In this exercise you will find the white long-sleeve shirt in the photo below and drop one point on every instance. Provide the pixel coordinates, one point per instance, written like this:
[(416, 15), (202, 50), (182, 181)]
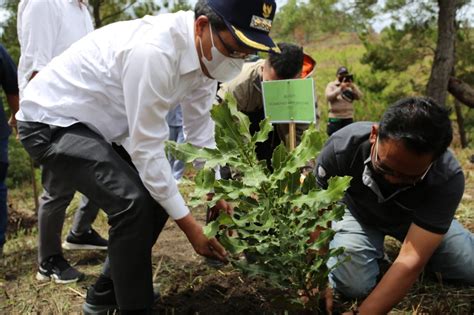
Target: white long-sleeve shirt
[(121, 80), (45, 29)]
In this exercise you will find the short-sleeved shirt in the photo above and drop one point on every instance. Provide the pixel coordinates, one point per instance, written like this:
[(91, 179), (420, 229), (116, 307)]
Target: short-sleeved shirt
[(339, 107), (430, 204), (9, 82)]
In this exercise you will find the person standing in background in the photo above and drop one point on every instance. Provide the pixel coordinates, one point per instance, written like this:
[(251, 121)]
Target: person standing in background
[(46, 29), (9, 83), (340, 95), (175, 123), (246, 88)]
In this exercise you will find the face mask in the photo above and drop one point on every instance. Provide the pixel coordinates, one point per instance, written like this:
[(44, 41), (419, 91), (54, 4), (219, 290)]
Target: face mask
[(221, 67), (378, 184)]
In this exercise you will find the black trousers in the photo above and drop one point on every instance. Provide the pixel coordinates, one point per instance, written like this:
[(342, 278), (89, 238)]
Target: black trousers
[(87, 163), (334, 126)]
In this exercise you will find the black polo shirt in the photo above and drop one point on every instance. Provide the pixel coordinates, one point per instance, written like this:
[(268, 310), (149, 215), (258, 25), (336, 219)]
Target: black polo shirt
[(430, 204)]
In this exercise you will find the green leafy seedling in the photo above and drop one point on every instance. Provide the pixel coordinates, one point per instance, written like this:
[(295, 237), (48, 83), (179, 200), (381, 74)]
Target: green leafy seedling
[(274, 212)]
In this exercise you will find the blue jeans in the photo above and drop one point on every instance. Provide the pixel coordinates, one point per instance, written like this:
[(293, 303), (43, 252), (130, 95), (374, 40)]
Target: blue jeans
[(454, 258), (3, 189)]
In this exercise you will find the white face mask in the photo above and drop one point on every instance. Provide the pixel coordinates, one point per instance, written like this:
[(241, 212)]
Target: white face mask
[(221, 67)]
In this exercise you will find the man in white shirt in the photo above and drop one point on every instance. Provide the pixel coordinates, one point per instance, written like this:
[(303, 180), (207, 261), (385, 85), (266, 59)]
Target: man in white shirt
[(45, 30), (118, 83)]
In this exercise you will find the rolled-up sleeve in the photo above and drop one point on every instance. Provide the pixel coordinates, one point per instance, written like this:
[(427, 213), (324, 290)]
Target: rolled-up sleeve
[(149, 81)]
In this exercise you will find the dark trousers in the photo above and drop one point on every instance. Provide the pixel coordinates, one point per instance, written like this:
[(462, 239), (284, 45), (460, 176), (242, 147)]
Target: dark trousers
[(87, 163), (336, 124), (52, 211), (3, 189)]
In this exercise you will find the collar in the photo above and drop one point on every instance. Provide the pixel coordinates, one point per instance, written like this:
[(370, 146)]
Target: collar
[(190, 58), (368, 181), (257, 81)]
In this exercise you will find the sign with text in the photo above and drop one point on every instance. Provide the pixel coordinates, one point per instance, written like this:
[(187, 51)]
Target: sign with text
[(288, 101)]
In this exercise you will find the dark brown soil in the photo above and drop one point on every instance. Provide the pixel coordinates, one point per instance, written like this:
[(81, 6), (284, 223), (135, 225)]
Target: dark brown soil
[(222, 293), (190, 286), (19, 219)]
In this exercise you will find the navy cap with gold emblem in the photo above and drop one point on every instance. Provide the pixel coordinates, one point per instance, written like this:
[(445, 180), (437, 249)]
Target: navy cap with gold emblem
[(249, 21)]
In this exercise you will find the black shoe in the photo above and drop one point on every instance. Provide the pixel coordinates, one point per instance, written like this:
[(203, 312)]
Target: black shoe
[(99, 302), (103, 303), (56, 268), (88, 240)]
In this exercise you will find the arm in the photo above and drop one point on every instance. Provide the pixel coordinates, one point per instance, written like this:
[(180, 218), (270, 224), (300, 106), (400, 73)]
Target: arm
[(201, 244), (38, 35), (33, 75), (148, 83), (416, 250), (327, 164), (13, 101), (332, 92), (357, 92)]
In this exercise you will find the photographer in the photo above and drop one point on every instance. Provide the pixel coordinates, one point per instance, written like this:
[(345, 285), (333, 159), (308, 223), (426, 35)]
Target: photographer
[(340, 94)]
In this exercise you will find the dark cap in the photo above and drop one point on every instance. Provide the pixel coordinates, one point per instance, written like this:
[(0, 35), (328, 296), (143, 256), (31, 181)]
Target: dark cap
[(249, 21), (342, 70)]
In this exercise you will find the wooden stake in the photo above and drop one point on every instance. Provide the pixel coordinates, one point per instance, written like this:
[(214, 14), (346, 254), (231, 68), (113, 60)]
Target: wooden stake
[(292, 136)]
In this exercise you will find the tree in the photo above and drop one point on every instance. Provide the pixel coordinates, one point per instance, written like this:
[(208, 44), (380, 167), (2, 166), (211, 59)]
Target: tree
[(434, 38), (462, 91), (305, 20), (108, 11), (181, 5), (444, 56)]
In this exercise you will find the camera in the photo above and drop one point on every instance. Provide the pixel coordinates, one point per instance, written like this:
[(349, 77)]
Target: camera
[(347, 78), (348, 95)]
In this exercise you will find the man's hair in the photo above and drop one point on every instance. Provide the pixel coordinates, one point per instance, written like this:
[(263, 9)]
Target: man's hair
[(422, 124), (289, 62), (202, 8)]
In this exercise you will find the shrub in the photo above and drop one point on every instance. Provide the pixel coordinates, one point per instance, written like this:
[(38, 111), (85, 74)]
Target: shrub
[(19, 170), (274, 213)]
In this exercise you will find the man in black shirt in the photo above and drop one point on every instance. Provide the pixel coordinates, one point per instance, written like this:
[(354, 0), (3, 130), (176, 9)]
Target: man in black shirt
[(406, 184)]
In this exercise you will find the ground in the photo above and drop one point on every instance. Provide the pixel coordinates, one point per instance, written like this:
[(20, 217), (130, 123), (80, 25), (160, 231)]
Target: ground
[(187, 284)]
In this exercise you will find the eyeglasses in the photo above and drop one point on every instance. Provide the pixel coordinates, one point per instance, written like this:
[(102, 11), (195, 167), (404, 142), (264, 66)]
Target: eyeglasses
[(384, 170), (230, 51)]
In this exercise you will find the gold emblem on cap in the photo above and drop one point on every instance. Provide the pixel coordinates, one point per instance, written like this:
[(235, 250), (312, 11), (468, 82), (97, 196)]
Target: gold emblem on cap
[(267, 10), (261, 24)]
